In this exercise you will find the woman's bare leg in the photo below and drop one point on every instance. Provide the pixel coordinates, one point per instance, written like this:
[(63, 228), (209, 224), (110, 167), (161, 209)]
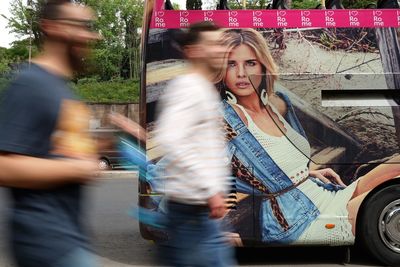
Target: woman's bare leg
[(353, 207), (378, 175)]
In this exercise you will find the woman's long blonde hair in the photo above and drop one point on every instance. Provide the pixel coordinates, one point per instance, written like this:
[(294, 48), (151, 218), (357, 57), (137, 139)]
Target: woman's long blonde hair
[(232, 38)]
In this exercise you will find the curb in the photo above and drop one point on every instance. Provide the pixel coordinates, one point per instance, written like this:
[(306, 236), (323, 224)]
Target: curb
[(119, 174)]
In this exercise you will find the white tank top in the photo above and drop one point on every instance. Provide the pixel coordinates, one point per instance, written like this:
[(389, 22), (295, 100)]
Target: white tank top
[(291, 156), (331, 205)]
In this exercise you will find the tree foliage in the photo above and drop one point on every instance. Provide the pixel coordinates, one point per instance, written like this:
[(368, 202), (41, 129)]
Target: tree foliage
[(24, 20), (4, 60), (193, 4), (116, 55)]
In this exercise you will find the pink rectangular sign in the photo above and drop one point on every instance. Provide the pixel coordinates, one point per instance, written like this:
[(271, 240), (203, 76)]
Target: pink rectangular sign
[(342, 18)]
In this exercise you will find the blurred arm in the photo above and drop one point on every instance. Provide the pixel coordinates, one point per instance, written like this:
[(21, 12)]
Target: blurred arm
[(36, 173), (128, 126)]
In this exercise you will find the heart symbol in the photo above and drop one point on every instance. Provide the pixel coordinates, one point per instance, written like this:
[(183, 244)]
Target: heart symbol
[(185, 13), (331, 13), (160, 13), (209, 13), (233, 13), (258, 13), (282, 13), (354, 13), (378, 13), (306, 13)]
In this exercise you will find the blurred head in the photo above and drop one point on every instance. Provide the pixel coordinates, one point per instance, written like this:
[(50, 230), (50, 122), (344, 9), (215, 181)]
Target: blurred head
[(201, 44), (248, 58), (69, 25)]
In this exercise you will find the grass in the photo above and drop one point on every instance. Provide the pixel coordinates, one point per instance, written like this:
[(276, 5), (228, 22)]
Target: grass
[(305, 4), (119, 91)]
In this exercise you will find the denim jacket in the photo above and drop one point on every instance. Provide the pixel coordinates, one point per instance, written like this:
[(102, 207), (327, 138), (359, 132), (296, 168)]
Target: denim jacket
[(297, 209)]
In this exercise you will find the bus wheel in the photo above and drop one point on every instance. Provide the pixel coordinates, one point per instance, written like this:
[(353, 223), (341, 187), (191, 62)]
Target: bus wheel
[(380, 225)]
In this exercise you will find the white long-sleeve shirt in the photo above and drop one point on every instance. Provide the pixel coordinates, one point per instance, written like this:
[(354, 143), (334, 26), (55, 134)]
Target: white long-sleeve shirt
[(190, 134)]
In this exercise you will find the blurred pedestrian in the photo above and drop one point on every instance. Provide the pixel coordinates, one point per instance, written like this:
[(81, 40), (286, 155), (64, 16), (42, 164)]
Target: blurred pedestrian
[(46, 153), (197, 174)]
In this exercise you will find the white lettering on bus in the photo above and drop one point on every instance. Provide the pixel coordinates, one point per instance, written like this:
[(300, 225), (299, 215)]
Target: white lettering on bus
[(233, 22), (354, 21), (282, 22), (257, 22), (160, 23), (329, 20), (306, 22)]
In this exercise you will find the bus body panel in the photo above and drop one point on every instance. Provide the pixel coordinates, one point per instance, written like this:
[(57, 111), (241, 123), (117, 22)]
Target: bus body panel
[(353, 135)]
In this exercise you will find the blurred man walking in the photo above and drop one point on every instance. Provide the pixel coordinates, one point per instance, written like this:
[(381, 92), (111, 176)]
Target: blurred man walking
[(196, 173), (45, 151), (189, 131)]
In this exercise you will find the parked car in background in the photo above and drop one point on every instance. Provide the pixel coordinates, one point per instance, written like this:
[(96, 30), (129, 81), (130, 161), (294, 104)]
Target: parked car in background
[(109, 156)]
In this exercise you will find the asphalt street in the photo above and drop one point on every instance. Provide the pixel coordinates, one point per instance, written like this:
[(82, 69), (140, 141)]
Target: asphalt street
[(118, 243)]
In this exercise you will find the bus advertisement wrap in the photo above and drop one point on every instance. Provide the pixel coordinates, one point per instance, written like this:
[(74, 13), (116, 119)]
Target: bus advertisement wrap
[(329, 173)]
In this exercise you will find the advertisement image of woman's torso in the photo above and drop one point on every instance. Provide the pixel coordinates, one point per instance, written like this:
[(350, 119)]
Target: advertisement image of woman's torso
[(289, 157)]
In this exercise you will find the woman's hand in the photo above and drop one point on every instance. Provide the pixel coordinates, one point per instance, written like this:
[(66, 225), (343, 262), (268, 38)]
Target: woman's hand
[(327, 176), (217, 206), (128, 125), (234, 239)]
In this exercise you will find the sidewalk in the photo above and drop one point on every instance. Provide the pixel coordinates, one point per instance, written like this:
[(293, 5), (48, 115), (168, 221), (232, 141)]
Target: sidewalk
[(119, 174)]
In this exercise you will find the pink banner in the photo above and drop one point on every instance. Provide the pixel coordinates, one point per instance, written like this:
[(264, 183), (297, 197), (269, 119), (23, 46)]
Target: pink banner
[(342, 18)]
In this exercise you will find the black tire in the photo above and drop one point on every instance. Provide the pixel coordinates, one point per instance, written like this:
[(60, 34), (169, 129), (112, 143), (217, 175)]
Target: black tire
[(379, 225)]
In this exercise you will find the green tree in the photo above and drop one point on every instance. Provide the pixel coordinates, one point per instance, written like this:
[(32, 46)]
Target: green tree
[(4, 61), (19, 50), (107, 53), (193, 4), (132, 18), (117, 55), (24, 20), (176, 6)]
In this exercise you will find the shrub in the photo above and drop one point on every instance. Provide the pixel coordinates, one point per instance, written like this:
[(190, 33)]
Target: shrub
[(3, 83), (110, 91)]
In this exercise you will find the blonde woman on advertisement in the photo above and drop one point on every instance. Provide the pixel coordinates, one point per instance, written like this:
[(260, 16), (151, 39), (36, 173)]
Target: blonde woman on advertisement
[(270, 153)]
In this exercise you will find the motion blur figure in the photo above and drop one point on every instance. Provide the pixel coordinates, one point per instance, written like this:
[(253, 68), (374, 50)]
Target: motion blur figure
[(46, 154), (196, 177), (189, 130)]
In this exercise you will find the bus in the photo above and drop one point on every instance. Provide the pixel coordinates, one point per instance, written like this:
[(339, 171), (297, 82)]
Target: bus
[(334, 181)]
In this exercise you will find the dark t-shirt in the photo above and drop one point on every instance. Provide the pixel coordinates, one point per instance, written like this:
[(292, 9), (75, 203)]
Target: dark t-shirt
[(37, 118)]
